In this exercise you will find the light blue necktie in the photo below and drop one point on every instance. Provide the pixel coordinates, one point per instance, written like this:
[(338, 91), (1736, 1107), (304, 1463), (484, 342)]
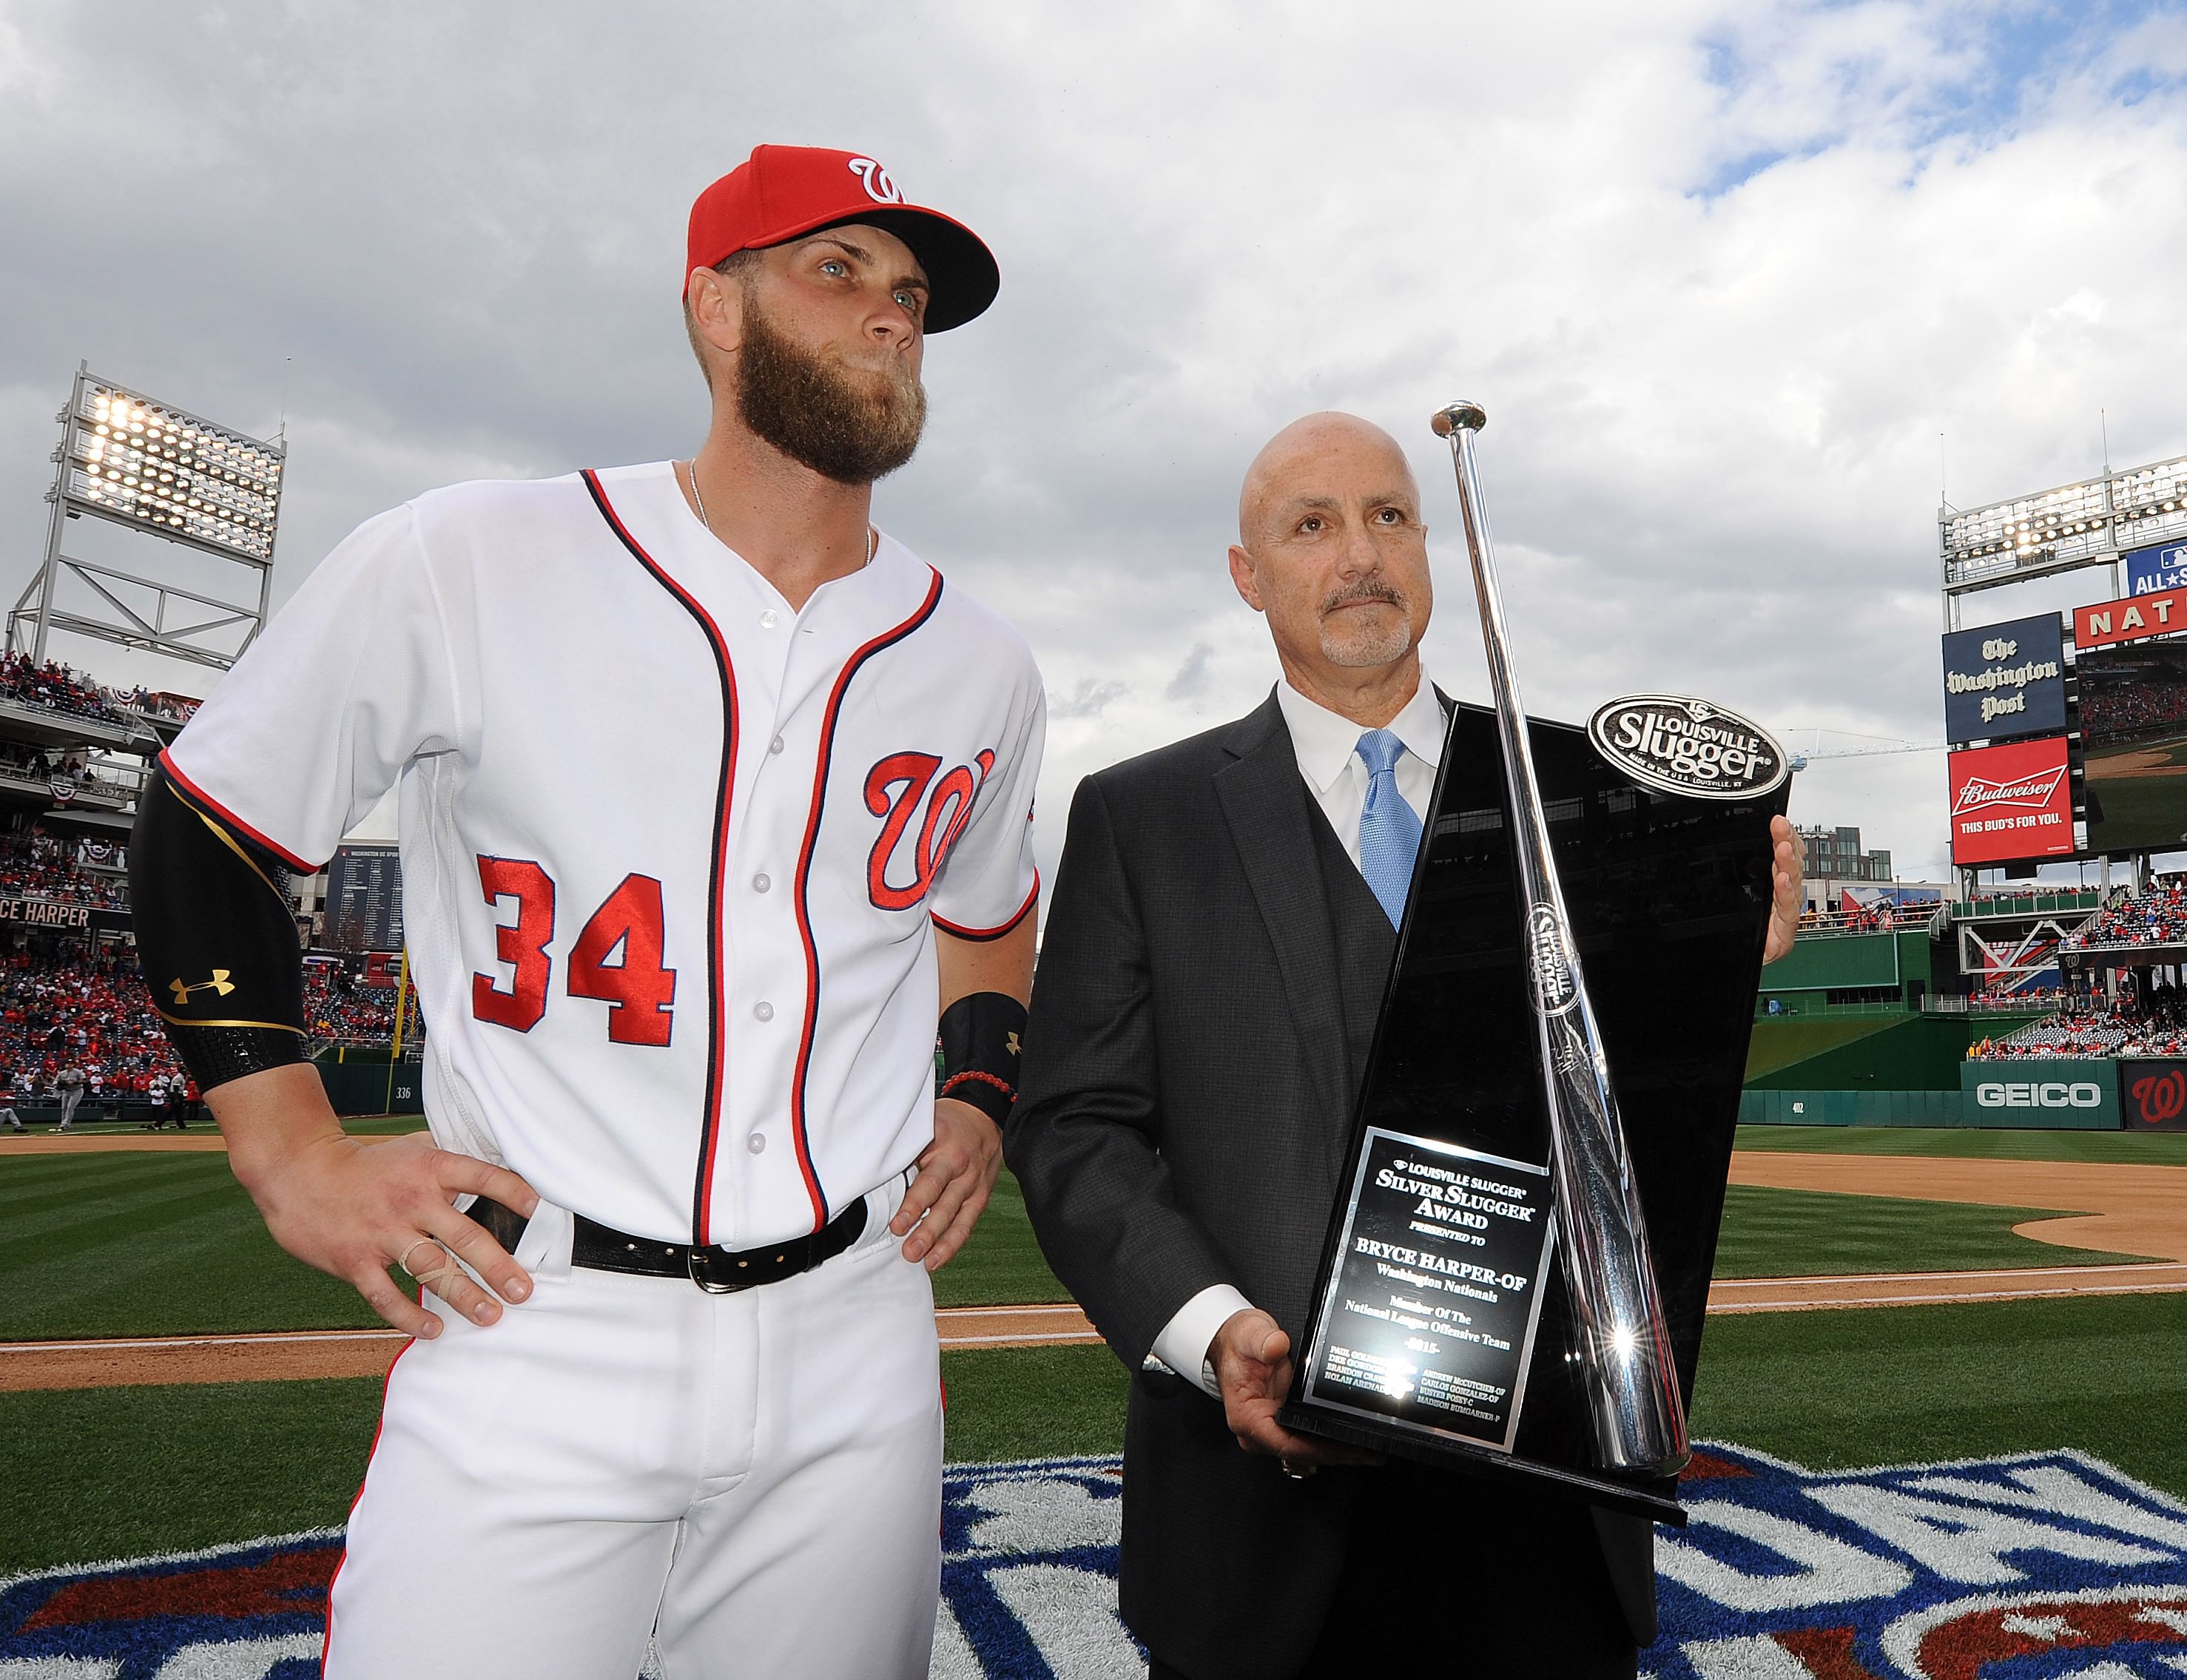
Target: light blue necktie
[(1389, 832)]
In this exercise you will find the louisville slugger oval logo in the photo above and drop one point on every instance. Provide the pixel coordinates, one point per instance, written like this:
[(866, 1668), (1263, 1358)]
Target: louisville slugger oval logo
[(901, 789), (1679, 745)]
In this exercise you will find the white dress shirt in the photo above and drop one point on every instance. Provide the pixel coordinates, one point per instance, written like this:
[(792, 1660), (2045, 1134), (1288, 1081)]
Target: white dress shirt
[(1328, 748)]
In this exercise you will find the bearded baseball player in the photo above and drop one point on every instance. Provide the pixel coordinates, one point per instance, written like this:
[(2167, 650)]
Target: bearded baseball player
[(714, 800)]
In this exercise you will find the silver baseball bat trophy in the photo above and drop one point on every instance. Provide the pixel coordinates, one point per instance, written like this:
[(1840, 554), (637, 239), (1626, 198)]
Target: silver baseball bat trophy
[(1624, 1345), (1490, 1150)]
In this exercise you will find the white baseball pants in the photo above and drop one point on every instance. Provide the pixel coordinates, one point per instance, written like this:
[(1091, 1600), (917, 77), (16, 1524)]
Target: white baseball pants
[(754, 1480)]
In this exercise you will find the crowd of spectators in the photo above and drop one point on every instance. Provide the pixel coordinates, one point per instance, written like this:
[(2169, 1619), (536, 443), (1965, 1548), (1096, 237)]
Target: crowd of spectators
[(2129, 708), (56, 687), (89, 1013), (85, 1017), (338, 1009), (34, 864), (2156, 917), (2092, 1026)]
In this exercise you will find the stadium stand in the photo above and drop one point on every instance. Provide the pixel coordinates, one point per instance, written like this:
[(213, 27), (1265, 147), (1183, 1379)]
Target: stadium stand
[(2091, 1028), (83, 1011), (56, 687), (2155, 918)]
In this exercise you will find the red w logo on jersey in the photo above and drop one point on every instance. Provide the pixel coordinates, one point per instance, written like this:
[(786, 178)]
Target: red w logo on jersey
[(948, 803)]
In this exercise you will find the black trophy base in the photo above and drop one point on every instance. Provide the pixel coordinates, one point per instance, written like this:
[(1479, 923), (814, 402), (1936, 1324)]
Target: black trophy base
[(1660, 1505), (1441, 1329)]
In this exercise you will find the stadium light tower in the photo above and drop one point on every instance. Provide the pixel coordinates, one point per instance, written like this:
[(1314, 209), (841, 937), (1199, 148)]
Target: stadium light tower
[(152, 467), (2099, 522)]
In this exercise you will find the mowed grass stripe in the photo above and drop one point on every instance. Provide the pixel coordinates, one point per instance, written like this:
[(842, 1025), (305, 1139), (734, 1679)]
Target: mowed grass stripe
[(136, 1245), (1912, 1385), (1809, 1234), (139, 1245), (2142, 1148), (85, 1476), (125, 1471)]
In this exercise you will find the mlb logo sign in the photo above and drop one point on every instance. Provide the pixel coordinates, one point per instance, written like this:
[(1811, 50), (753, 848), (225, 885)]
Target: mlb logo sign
[(2036, 1566), (2039, 1566)]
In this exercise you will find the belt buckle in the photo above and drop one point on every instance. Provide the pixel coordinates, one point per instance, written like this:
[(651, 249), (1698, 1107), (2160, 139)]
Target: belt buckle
[(700, 1263)]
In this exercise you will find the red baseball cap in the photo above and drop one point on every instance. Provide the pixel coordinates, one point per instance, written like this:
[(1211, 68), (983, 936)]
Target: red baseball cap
[(783, 192)]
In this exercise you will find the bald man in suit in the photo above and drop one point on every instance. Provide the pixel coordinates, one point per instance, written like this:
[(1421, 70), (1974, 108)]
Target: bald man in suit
[(1222, 925)]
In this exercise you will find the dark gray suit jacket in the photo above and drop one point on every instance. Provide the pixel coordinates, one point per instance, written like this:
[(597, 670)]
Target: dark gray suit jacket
[(1198, 1036)]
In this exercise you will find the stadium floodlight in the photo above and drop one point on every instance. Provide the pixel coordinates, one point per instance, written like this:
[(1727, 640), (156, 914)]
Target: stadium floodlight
[(2090, 523), (154, 467), (150, 465)]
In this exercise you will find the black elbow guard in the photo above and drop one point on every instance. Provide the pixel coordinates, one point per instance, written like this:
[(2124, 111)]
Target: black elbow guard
[(215, 938)]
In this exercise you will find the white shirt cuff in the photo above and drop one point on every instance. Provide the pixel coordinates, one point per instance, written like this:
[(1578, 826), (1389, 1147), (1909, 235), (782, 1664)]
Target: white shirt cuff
[(1184, 1343)]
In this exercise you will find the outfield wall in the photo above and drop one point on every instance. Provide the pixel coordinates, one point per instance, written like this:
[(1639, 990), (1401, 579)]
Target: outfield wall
[(360, 1081)]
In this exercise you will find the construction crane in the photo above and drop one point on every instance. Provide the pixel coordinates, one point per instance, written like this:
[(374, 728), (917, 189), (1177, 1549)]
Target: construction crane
[(1876, 744)]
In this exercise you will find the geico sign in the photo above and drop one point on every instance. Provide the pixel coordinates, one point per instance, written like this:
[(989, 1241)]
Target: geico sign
[(2050, 1095)]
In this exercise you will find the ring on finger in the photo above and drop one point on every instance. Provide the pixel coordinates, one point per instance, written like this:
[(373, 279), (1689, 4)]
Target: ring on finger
[(404, 1260)]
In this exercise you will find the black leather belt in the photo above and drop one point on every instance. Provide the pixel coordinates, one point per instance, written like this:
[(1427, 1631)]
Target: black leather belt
[(717, 1271)]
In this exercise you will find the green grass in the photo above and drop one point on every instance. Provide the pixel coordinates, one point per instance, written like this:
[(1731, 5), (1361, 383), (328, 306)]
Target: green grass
[(1797, 1233), (1777, 1042), (101, 1473), (1028, 1402), (1958, 1143), (1001, 1265), (1909, 1385), (150, 1243), (92, 1473), (166, 1243)]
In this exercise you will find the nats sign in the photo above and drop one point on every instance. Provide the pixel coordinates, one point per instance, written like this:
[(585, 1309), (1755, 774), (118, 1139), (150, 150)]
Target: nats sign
[(2153, 1095), (2012, 801), (2135, 619)]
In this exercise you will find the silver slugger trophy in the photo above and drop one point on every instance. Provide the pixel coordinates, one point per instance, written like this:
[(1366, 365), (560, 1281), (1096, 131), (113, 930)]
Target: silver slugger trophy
[(1623, 1341)]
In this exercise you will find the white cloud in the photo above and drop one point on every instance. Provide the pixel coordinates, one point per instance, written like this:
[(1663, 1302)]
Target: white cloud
[(1721, 273)]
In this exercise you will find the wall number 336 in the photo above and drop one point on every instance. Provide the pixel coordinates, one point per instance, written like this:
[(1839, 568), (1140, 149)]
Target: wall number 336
[(616, 958)]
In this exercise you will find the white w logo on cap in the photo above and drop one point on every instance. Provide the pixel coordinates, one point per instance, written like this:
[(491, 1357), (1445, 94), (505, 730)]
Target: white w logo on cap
[(875, 179)]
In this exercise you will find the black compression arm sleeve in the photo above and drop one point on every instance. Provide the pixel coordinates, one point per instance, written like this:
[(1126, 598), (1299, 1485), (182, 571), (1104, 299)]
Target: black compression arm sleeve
[(215, 937)]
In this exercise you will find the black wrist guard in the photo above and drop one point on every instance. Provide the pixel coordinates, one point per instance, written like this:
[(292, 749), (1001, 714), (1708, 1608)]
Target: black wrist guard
[(215, 939), (982, 1037)]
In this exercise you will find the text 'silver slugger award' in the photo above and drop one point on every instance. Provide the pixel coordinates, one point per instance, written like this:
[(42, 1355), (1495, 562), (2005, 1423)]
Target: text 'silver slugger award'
[(1516, 1273)]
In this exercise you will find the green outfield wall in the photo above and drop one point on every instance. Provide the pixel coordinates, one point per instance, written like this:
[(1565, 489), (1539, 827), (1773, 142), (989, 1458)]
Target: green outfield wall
[(360, 1080), (1851, 1108), (1904, 1052), (1814, 968)]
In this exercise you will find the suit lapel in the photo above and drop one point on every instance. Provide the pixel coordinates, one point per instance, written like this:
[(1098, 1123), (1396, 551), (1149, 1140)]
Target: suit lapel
[(1264, 801)]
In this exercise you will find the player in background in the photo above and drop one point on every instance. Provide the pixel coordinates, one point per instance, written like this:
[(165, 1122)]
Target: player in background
[(714, 800)]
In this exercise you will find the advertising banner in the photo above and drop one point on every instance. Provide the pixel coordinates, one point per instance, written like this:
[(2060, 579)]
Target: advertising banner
[(61, 916), (2048, 1094), (2133, 618), (2012, 801), (2151, 571), (2005, 679), (2153, 1095)]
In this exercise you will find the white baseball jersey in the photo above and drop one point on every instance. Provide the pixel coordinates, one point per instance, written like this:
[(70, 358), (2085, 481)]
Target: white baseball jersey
[(670, 849)]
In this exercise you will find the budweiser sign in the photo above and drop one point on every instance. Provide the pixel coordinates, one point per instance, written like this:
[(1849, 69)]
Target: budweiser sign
[(2012, 801), (1977, 794)]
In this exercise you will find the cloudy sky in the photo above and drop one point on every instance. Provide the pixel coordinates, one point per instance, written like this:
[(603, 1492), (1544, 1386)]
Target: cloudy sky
[(1742, 285)]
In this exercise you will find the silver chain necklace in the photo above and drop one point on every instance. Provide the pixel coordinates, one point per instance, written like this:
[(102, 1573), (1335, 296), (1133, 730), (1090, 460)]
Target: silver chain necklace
[(691, 471)]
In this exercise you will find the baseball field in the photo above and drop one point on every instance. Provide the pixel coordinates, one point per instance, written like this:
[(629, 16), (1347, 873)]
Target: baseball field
[(170, 1383)]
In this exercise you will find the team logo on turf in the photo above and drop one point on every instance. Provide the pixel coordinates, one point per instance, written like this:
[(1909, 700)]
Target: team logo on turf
[(2035, 1566)]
